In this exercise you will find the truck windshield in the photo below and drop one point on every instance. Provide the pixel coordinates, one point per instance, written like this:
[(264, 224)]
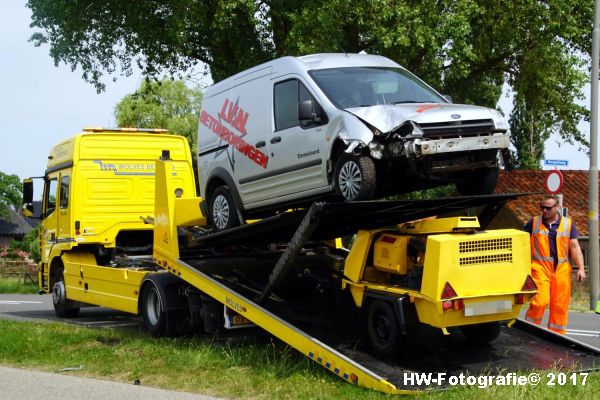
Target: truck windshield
[(367, 86)]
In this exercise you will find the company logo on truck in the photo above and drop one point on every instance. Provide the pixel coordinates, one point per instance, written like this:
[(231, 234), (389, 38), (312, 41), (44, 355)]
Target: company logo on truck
[(234, 116)]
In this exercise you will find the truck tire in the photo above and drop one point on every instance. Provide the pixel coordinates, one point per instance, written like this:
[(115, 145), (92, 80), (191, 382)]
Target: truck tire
[(383, 328), (63, 308), (152, 307), (222, 211), (354, 177), (481, 333), (479, 181)]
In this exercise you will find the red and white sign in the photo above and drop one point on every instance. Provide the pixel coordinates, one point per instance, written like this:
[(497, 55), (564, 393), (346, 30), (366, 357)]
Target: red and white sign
[(554, 182)]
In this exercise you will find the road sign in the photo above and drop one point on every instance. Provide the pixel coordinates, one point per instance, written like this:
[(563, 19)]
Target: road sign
[(556, 163), (554, 182)]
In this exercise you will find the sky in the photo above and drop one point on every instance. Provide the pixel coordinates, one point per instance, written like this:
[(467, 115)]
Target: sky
[(42, 104)]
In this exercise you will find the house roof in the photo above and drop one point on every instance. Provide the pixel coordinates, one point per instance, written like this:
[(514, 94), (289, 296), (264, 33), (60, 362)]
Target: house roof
[(37, 214), (15, 225), (574, 191)]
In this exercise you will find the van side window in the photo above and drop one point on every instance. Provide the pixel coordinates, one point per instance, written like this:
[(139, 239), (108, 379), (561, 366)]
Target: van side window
[(286, 98), (64, 192), (51, 195)]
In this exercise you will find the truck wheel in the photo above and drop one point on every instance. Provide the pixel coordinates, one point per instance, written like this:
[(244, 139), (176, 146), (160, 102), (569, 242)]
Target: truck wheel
[(479, 181), (481, 333), (355, 177), (222, 210), (383, 328), (63, 308), (153, 311)]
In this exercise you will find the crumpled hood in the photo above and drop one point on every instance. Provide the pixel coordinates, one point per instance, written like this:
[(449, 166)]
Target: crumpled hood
[(387, 117)]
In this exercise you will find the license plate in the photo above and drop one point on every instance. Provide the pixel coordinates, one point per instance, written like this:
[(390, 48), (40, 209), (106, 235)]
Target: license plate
[(239, 320), (488, 307)]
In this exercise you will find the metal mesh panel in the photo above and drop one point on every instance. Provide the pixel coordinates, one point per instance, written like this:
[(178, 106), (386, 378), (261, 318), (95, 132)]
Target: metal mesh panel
[(486, 259), (473, 246)]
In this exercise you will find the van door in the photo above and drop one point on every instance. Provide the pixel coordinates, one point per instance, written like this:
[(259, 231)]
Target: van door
[(299, 149)]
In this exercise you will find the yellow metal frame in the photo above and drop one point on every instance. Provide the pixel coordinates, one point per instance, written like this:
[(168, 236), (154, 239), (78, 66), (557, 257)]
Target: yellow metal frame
[(478, 273), (166, 254)]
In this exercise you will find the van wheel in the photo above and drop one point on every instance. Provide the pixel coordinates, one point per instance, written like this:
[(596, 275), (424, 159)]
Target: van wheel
[(222, 210), (355, 177), (63, 308), (481, 333), (383, 328), (479, 181)]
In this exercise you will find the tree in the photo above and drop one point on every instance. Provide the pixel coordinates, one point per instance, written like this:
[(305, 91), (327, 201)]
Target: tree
[(10, 193), (163, 104), (465, 48)]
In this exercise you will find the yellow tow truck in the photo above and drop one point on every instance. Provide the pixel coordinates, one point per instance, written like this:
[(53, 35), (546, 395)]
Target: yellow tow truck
[(122, 228)]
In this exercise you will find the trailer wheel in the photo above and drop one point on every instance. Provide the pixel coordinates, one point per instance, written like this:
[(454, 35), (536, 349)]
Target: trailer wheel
[(63, 308), (223, 213), (355, 177), (383, 328), (479, 181), (481, 333), (153, 311)]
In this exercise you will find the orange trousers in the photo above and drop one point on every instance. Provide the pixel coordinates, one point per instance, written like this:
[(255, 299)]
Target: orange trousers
[(554, 289)]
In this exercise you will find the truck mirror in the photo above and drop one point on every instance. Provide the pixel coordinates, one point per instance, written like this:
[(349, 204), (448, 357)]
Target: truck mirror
[(28, 197)]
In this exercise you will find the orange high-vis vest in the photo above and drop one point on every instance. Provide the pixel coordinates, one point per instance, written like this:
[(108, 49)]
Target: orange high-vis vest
[(554, 284)]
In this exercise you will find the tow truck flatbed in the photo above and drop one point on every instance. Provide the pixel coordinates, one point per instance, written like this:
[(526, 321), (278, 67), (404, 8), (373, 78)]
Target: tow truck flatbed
[(329, 335)]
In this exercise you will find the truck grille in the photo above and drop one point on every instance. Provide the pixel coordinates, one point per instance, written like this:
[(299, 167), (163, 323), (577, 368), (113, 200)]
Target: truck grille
[(487, 245), (446, 130)]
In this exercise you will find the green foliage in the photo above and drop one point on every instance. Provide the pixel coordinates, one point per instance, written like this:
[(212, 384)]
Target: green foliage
[(465, 48), (10, 193), (30, 244), (162, 104), (17, 286)]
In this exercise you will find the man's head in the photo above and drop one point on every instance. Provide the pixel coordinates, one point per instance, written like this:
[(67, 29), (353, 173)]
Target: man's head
[(549, 207)]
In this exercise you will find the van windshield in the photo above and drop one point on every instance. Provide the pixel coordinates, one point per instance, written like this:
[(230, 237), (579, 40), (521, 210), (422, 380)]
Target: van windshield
[(368, 86)]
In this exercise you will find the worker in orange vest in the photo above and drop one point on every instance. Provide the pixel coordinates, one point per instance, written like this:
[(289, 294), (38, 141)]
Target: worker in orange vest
[(553, 240)]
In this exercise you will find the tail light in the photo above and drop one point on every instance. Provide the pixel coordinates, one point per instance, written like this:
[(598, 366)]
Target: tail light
[(519, 298), (529, 285), (448, 293)]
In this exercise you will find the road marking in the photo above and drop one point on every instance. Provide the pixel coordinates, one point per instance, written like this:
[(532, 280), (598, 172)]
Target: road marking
[(17, 302), (582, 332)]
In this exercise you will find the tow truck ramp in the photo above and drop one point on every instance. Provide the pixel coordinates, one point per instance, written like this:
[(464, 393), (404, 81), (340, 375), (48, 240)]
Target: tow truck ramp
[(246, 274), (329, 337)]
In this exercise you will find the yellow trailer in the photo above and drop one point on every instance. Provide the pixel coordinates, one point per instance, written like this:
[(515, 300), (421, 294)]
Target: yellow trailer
[(122, 228)]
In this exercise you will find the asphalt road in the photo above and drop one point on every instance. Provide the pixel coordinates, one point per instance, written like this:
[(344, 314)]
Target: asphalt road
[(25, 384), (584, 327), (33, 307)]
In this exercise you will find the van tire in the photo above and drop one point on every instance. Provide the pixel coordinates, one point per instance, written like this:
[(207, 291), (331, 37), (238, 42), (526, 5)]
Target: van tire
[(222, 211), (355, 177)]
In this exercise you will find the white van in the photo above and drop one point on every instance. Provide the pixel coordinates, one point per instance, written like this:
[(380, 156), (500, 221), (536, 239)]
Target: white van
[(350, 126)]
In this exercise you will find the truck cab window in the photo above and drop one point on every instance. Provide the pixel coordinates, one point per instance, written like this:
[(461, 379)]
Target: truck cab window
[(64, 192), (51, 195)]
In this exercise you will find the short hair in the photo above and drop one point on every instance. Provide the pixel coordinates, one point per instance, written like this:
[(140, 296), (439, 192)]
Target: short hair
[(551, 197)]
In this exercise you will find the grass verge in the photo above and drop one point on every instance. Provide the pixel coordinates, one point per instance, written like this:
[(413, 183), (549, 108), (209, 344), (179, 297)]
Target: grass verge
[(232, 369), (16, 286)]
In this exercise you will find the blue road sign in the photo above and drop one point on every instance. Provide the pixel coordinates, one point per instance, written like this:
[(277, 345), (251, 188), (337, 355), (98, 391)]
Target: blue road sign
[(558, 163)]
